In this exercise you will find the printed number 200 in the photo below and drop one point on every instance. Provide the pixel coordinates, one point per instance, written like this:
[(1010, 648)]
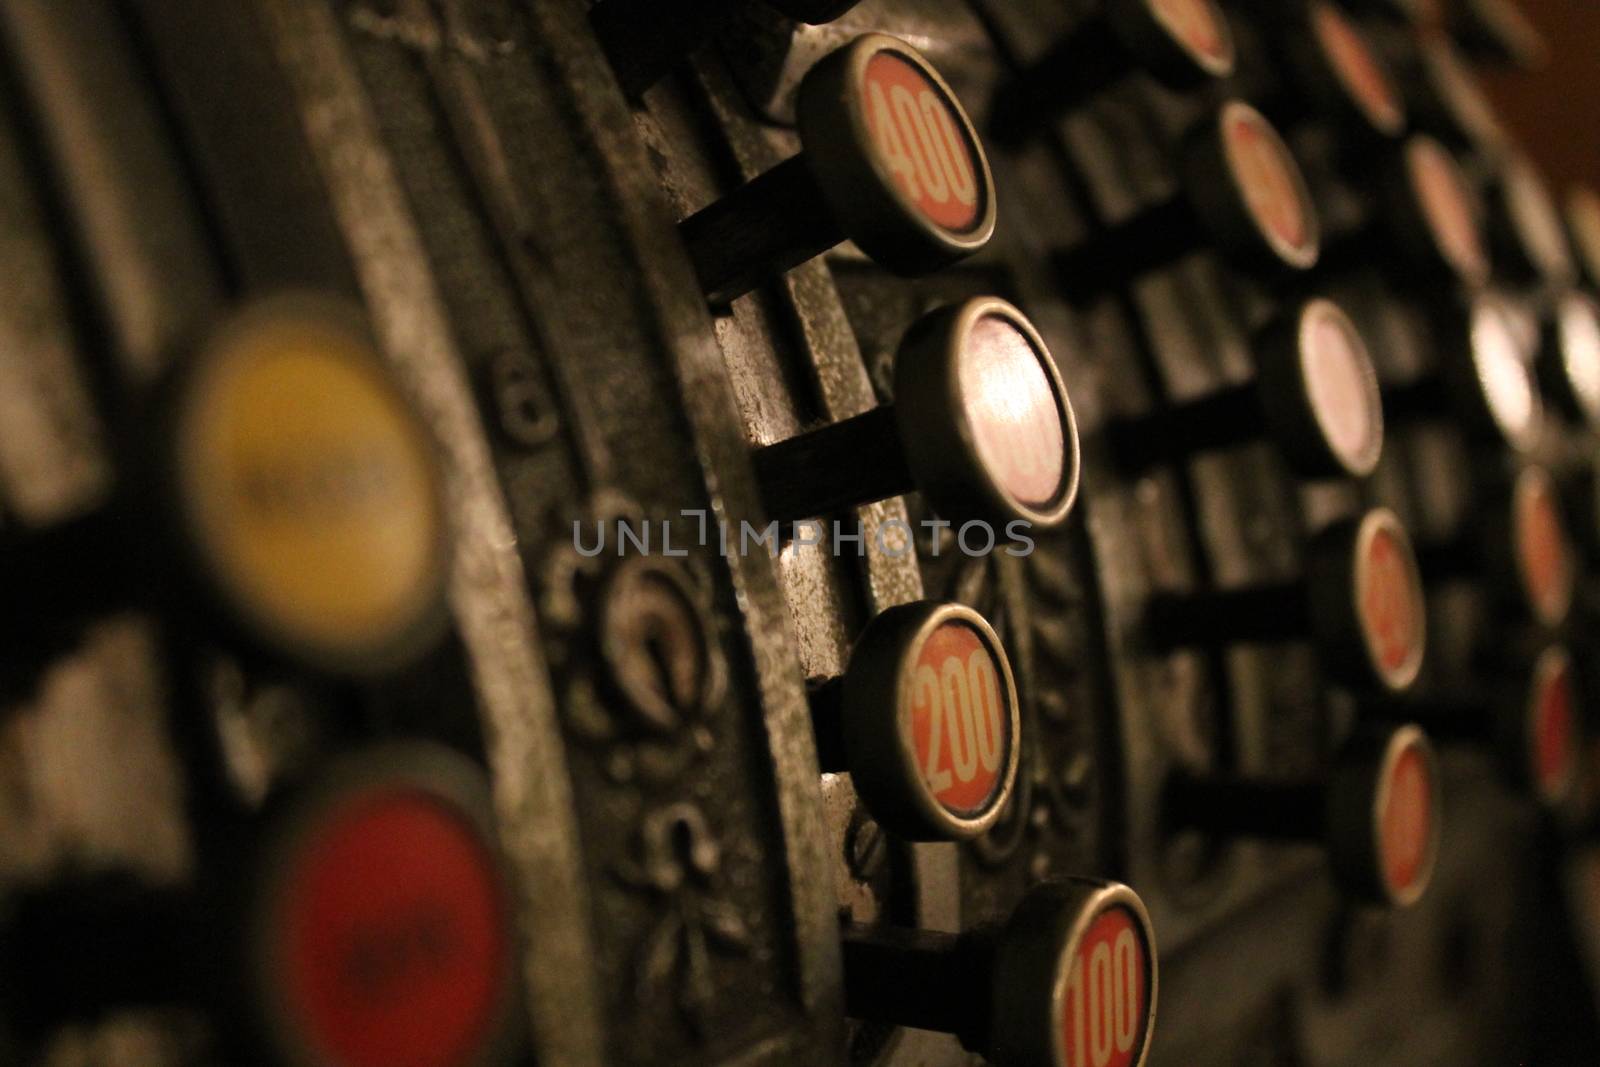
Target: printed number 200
[(963, 701)]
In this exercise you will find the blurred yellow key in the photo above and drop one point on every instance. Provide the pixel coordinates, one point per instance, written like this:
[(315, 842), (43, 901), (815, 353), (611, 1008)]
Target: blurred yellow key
[(308, 487)]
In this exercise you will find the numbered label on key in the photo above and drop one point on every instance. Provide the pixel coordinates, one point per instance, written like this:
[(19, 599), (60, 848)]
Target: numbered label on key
[(1505, 377), (1406, 821), (310, 489), (1199, 27), (1106, 1000), (1358, 69), (1553, 735), (389, 936), (1015, 412), (1269, 180), (1342, 388), (921, 140), (1389, 596), (1544, 554), (1448, 208), (958, 722)]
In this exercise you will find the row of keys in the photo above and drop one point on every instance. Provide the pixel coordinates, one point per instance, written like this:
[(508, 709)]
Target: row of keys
[(380, 927), (925, 717), (891, 161), (1493, 31), (285, 528), (1317, 396), (376, 924), (377, 921), (874, 123), (983, 424), (1181, 43), (304, 494)]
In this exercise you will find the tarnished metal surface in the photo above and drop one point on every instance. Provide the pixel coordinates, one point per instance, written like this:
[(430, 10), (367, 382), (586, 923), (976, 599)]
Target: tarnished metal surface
[(469, 173)]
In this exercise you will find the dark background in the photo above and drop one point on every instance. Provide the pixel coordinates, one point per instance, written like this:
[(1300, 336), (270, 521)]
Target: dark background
[(1556, 110)]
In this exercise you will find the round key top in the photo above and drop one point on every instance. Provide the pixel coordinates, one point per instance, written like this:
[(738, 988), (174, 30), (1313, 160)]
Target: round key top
[(1360, 602), (1258, 174), (307, 490), (1529, 237), (1315, 395), (382, 931), (1392, 788), (1546, 565), (981, 424), (1355, 78), (1569, 360), (1181, 43), (1521, 549), (286, 499), (889, 161), (1583, 224), (1329, 72), (1242, 191), (1493, 395), (1502, 385), (645, 39), (1436, 217), (1390, 615), (1069, 980), (1377, 811), (926, 720), (1552, 730)]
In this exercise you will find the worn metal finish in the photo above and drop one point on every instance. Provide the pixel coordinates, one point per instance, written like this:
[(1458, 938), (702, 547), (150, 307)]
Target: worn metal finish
[(487, 586), (472, 173)]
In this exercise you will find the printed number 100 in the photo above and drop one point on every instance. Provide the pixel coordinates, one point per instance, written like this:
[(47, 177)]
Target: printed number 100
[(1105, 1009)]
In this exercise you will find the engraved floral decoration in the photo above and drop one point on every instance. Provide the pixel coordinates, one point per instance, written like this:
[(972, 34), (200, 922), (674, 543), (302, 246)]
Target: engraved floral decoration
[(677, 860), (643, 673)]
